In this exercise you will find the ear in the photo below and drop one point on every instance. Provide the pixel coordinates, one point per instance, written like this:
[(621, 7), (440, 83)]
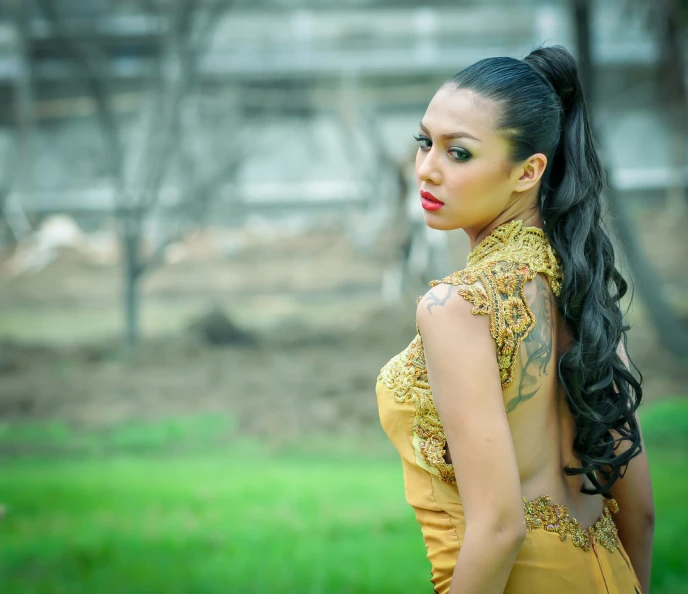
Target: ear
[(530, 172)]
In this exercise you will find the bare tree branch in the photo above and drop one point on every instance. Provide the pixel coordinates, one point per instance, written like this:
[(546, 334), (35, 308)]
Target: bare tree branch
[(185, 27), (97, 84)]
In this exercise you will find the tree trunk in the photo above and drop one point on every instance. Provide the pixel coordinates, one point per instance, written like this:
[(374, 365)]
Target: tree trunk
[(672, 83), (581, 19), (132, 275)]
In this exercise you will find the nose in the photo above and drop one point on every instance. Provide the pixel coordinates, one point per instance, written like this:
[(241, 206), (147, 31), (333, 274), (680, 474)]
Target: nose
[(427, 169)]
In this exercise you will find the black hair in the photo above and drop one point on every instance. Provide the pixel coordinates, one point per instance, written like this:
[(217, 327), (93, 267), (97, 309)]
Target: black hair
[(542, 109)]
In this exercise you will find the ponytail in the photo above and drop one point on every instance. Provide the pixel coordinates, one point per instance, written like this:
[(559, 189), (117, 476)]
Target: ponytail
[(598, 384)]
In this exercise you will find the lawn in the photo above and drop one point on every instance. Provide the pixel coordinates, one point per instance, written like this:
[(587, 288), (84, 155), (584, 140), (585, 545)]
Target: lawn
[(306, 520)]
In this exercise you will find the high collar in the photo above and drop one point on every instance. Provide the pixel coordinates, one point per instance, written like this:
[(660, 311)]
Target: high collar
[(514, 242)]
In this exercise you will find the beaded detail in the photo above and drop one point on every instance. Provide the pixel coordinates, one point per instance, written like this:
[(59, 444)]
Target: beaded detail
[(407, 376), (542, 513), (494, 280)]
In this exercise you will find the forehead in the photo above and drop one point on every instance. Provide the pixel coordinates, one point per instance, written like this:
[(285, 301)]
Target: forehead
[(452, 110)]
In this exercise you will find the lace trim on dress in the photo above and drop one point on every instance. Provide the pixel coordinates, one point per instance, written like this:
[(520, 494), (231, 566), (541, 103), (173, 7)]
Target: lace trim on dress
[(542, 513)]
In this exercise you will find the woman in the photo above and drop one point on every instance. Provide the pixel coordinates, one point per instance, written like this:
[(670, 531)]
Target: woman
[(513, 409)]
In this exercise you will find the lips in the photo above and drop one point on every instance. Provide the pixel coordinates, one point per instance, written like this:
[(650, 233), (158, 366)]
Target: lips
[(429, 202), (429, 196)]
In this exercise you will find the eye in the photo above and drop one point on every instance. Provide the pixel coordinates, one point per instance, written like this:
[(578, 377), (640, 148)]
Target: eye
[(422, 140), (460, 154)]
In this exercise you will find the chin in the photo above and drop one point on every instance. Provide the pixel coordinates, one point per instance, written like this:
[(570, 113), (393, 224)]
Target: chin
[(434, 221)]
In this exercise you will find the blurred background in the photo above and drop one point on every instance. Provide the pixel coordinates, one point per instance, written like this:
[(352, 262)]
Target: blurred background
[(210, 243)]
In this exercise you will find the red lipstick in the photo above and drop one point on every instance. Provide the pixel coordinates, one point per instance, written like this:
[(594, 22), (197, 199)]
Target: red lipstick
[(429, 202)]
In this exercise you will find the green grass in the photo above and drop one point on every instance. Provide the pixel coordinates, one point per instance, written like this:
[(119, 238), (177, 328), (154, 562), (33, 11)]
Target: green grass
[(208, 524), (248, 520), (198, 432), (665, 428)]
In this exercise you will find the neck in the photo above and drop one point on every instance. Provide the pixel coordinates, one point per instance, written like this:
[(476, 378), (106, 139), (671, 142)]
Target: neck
[(530, 217)]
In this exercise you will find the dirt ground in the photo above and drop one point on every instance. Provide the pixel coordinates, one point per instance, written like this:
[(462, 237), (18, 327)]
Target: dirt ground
[(310, 305)]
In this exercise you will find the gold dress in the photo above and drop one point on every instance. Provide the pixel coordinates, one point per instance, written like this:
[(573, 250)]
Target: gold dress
[(559, 555)]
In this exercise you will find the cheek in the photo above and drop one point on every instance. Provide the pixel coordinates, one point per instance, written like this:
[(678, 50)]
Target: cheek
[(475, 196), (484, 177), (474, 180)]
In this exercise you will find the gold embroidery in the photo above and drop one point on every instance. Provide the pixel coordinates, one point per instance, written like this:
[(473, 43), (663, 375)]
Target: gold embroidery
[(407, 377), (493, 282), (502, 298), (503, 263), (512, 242), (542, 513)]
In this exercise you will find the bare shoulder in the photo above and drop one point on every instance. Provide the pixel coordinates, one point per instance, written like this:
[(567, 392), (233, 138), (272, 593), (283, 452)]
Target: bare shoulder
[(445, 301), (445, 315), (440, 298)]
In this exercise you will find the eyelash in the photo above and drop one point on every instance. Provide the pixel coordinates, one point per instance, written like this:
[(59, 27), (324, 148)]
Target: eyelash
[(454, 150)]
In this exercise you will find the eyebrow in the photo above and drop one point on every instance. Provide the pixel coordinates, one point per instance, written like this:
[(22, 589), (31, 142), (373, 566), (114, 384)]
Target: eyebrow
[(453, 134)]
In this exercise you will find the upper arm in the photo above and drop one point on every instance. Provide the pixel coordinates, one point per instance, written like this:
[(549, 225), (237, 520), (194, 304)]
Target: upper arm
[(464, 377)]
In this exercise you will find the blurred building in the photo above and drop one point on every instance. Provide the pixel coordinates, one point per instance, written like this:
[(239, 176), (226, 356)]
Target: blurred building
[(325, 99)]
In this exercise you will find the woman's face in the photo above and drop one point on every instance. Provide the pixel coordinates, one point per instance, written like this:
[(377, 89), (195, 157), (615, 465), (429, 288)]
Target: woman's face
[(462, 163)]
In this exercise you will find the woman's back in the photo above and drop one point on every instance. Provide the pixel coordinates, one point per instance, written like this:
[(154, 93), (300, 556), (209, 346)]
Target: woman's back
[(542, 426)]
